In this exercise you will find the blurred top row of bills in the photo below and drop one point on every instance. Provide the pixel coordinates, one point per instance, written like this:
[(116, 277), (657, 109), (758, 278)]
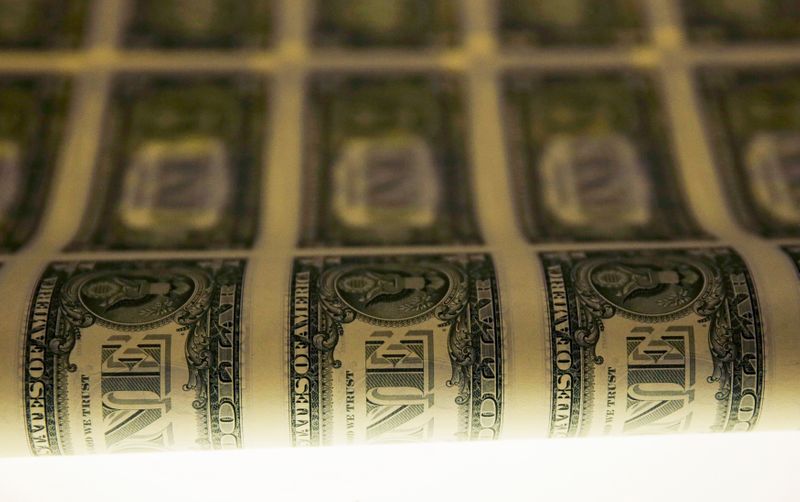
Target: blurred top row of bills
[(41, 24), (385, 159)]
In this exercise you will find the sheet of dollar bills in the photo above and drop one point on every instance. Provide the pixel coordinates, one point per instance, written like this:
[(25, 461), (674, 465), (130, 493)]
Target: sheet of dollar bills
[(232, 223)]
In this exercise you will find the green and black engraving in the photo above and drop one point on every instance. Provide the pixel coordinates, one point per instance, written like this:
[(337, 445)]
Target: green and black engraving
[(180, 164), (391, 314), (738, 21), (120, 326), (753, 121), (571, 22), (591, 159), (385, 23), (385, 162), (195, 24), (42, 24), (672, 310), (32, 116)]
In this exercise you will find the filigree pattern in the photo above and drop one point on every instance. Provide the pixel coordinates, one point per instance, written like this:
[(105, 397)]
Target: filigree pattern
[(193, 320), (594, 310), (722, 339), (451, 309), (192, 317), (336, 313), (453, 305), (462, 357), (327, 338), (73, 317)]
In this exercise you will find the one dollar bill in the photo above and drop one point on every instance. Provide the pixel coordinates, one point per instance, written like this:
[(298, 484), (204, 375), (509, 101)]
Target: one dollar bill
[(386, 162), (394, 349), (754, 127), (134, 356), (33, 113), (197, 24), (42, 24), (385, 23), (525, 23), (591, 158), (653, 341), (180, 164), (742, 21)]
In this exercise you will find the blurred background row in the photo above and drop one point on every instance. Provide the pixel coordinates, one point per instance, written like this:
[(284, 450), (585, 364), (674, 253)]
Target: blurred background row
[(250, 24), (175, 157), (387, 160)]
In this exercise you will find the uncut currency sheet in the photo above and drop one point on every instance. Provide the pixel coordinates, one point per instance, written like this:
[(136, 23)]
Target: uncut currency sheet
[(307, 222)]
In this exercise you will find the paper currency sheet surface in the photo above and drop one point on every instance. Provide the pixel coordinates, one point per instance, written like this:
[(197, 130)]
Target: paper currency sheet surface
[(229, 224)]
